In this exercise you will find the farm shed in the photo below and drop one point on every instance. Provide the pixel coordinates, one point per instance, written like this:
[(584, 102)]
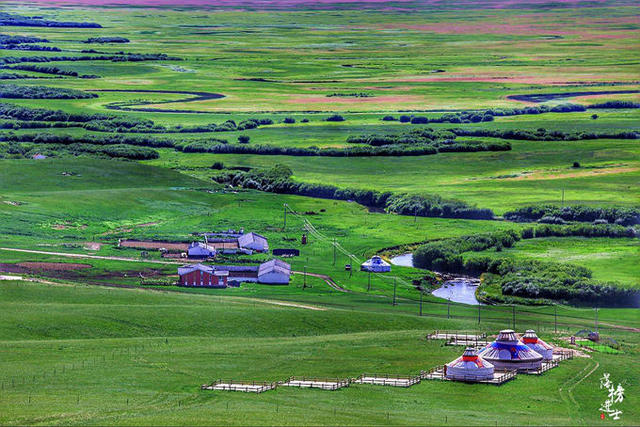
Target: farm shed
[(469, 367), (508, 352), (240, 273), (202, 275), (376, 265), (288, 252), (531, 340), (254, 242), (201, 250), (274, 272)]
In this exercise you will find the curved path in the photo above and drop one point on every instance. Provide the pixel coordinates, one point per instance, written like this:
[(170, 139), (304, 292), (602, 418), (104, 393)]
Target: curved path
[(195, 96), (543, 97)]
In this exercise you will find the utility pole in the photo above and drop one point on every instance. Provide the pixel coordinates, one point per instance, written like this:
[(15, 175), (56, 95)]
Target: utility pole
[(369, 286), (555, 318), (304, 285), (334, 251), (420, 303), (513, 308), (284, 227), (394, 291)]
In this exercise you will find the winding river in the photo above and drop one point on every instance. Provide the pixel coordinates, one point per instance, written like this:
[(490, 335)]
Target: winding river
[(194, 96), (458, 289)]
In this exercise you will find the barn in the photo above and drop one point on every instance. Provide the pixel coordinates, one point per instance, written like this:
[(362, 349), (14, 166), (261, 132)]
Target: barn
[(202, 275), (201, 250), (274, 272), (254, 242)]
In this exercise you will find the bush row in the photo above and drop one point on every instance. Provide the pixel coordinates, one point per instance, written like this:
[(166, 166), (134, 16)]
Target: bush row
[(542, 134), (446, 255), (42, 92), (581, 213), (127, 57), (277, 180), (556, 281), (25, 21), (49, 70)]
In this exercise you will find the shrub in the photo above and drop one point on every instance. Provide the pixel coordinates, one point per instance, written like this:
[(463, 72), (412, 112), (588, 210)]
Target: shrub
[(289, 120), (335, 118), (243, 139), (217, 165)]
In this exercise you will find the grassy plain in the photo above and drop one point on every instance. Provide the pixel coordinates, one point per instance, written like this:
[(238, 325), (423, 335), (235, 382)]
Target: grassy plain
[(79, 354)]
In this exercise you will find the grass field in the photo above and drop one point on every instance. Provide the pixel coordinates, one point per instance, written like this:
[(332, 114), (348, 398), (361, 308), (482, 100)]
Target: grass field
[(98, 346)]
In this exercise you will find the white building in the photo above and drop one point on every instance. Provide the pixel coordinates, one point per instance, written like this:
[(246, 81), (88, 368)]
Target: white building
[(469, 367), (201, 250), (376, 265), (254, 242), (274, 272), (531, 340), (507, 352)]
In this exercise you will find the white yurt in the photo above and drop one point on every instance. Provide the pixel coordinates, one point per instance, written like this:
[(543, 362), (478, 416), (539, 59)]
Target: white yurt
[(508, 352), (375, 265), (531, 340), (469, 367)]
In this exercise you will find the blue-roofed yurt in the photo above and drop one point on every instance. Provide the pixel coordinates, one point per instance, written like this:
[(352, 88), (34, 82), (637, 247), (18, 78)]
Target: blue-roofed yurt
[(376, 265), (469, 367), (531, 340), (507, 352)]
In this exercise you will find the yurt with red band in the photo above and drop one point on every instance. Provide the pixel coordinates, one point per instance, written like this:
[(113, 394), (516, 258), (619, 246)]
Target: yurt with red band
[(531, 340), (469, 367), (507, 352)]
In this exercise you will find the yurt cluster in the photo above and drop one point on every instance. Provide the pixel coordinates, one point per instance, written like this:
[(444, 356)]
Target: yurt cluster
[(501, 359), (495, 363)]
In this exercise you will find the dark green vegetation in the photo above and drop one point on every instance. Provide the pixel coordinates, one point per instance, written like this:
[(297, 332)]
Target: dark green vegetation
[(365, 129), (42, 92), (530, 278)]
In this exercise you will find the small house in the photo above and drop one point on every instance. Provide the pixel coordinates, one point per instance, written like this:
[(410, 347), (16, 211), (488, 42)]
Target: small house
[(254, 242), (375, 265), (202, 275), (201, 250)]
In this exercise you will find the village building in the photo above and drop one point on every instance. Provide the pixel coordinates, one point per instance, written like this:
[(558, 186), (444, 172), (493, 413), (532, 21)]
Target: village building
[(202, 275), (531, 340), (469, 367), (274, 272), (201, 250), (376, 265), (253, 242), (507, 352)]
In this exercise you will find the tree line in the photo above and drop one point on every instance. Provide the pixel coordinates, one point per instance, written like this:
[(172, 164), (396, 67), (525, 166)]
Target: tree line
[(42, 92), (26, 21), (525, 278), (615, 215), (278, 180)]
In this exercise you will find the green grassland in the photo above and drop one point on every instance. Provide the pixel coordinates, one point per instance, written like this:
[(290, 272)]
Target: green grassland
[(130, 357), (609, 259), (99, 346)]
